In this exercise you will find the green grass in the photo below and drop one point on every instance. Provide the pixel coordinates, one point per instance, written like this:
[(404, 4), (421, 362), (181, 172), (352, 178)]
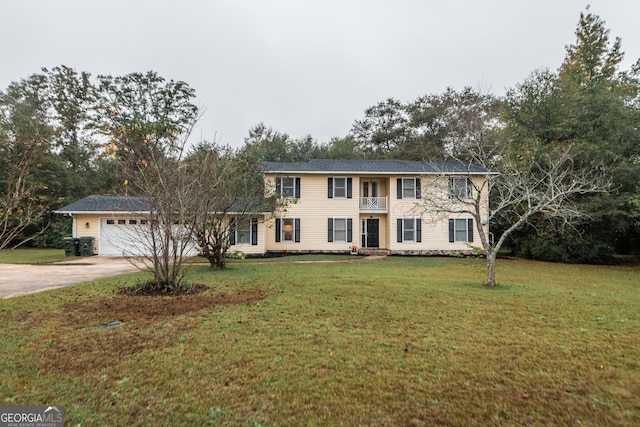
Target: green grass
[(401, 341), (31, 256), (286, 258)]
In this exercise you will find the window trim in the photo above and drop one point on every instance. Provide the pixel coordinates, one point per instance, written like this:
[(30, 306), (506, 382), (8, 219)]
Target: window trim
[(331, 230), (280, 187), (252, 232), (417, 230), (280, 230), (416, 188), (453, 230), (242, 228), (456, 193), (348, 187)]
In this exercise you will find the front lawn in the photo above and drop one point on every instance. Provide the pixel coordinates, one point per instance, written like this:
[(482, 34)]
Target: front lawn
[(399, 341), (31, 256)]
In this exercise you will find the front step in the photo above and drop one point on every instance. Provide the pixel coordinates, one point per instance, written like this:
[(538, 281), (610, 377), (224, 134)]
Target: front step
[(373, 251)]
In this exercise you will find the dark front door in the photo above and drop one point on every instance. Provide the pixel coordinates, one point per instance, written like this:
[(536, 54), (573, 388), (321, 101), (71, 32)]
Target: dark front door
[(373, 232)]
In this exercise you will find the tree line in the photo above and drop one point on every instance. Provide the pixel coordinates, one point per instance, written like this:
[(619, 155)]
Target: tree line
[(65, 134)]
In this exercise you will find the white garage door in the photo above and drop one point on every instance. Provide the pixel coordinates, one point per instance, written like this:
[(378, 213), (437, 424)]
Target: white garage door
[(129, 237), (121, 236)]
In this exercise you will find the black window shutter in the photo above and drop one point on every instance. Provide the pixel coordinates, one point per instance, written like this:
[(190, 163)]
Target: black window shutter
[(452, 237), (279, 186), (330, 230), (297, 195), (399, 187), (297, 229), (349, 189), (418, 192), (418, 230), (232, 231), (470, 230), (469, 187), (399, 230), (278, 228), (349, 229), (254, 231), (330, 188)]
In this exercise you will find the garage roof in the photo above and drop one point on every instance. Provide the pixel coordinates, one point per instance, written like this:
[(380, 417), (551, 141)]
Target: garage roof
[(138, 204), (107, 204)]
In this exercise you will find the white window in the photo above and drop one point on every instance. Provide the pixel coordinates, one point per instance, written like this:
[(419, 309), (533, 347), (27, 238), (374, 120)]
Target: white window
[(340, 188), (288, 187), (243, 232), (408, 188), (461, 230), (409, 230), (287, 230), (460, 188), (339, 229)]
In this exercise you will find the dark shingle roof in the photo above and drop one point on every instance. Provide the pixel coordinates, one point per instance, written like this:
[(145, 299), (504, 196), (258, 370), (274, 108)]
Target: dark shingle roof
[(125, 204), (107, 204), (373, 167)]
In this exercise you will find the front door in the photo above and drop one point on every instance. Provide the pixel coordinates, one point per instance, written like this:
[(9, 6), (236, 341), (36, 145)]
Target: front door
[(371, 233)]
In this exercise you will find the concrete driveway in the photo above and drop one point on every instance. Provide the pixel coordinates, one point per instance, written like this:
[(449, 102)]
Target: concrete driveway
[(19, 279)]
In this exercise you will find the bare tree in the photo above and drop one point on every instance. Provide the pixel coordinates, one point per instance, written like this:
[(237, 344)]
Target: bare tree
[(231, 194), (163, 233), (148, 122), (519, 187)]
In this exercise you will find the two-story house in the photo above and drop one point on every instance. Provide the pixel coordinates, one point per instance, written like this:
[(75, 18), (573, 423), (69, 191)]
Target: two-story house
[(332, 206), (369, 206)]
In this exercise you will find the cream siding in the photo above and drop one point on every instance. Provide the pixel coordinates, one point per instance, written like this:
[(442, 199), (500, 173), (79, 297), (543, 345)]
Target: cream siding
[(87, 225), (314, 208), (260, 248)]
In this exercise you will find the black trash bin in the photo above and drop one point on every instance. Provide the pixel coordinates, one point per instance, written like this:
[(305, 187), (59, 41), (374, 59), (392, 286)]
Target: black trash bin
[(86, 246), (71, 246)]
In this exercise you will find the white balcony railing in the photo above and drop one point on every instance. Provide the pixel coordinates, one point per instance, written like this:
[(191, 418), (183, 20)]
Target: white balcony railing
[(373, 204)]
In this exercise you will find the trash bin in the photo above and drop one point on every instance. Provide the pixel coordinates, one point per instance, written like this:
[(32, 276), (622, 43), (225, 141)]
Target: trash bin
[(71, 246), (86, 246)]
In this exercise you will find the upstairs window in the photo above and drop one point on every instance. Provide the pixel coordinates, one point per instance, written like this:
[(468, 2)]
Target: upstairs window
[(408, 188), (339, 188), (288, 187), (460, 188)]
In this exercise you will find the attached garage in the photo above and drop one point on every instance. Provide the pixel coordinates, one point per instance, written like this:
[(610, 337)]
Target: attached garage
[(122, 236), (118, 226), (114, 222)]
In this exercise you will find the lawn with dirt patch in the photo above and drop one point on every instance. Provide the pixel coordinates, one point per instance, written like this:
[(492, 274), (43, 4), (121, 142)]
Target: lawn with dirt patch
[(400, 341)]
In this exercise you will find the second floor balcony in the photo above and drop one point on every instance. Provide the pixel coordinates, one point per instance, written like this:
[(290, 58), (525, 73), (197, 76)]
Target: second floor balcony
[(373, 204)]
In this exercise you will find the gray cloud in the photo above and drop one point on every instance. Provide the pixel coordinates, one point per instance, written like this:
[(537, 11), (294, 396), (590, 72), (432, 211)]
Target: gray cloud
[(303, 67)]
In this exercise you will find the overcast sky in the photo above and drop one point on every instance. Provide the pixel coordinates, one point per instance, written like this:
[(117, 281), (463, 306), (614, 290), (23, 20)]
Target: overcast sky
[(303, 67)]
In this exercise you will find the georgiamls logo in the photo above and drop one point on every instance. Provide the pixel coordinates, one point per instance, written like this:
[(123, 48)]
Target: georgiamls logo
[(33, 416)]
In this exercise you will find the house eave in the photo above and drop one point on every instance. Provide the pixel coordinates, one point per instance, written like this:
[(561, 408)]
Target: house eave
[(352, 173), (102, 212)]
